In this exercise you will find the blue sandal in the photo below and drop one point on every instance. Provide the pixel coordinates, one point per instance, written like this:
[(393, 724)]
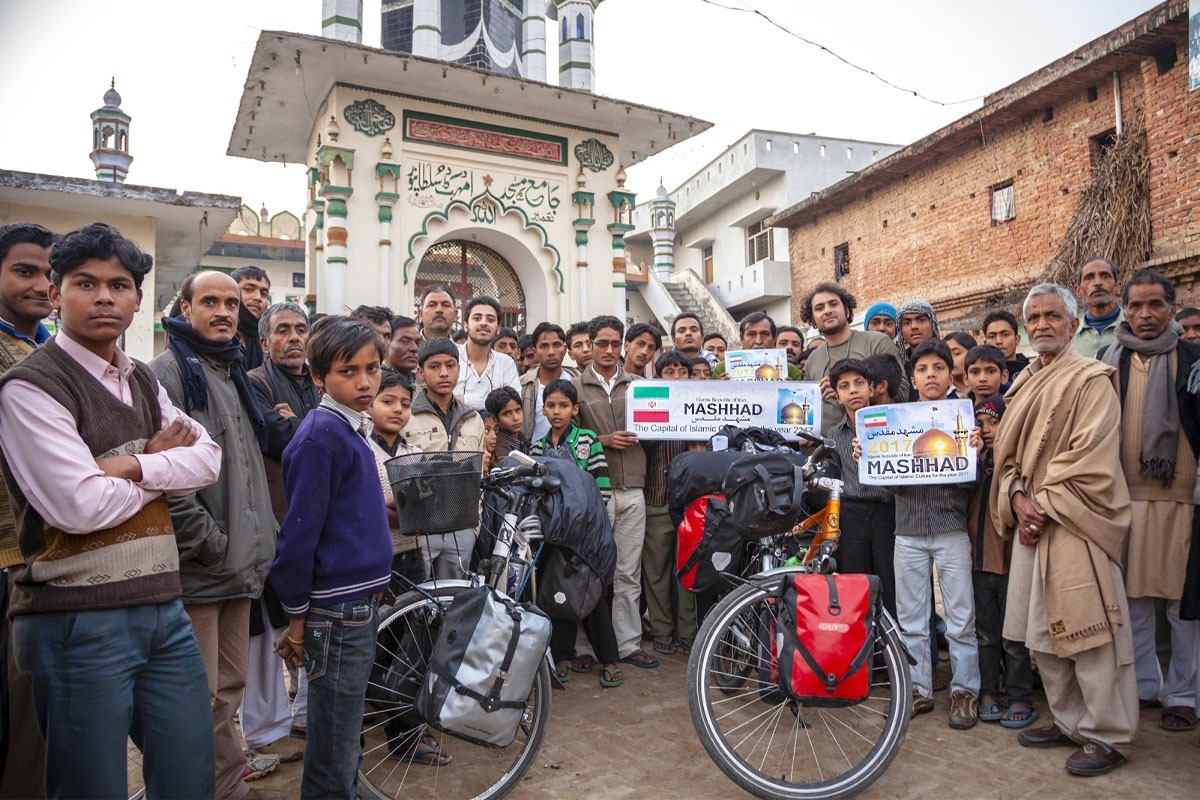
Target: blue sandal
[(990, 712), (1017, 718)]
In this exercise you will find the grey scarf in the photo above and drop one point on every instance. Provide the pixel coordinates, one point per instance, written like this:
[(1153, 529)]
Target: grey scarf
[(1160, 410)]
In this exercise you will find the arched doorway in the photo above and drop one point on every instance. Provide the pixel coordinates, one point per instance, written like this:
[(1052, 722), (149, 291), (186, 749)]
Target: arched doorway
[(470, 269)]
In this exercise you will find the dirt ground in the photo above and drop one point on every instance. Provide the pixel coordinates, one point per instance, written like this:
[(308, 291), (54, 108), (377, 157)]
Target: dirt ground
[(637, 741)]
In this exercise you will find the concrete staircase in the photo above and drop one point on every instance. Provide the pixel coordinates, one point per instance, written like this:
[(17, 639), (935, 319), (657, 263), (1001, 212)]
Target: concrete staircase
[(683, 298)]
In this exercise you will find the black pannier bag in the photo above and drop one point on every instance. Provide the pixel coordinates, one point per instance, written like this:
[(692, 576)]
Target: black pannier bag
[(567, 587), (764, 493)]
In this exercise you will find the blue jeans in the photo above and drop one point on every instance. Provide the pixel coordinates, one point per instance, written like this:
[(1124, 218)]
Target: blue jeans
[(339, 650), (100, 677)]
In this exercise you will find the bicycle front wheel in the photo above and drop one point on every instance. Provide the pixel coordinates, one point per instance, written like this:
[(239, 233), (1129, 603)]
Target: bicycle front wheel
[(776, 748), (397, 747)]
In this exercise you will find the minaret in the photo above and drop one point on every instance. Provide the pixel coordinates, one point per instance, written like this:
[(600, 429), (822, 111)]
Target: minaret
[(662, 231), (575, 44), (533, 41), (110, 138), (961, 435), (342, 20), (427, 28)]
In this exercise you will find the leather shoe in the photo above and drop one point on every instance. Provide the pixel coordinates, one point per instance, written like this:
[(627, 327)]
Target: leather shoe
[(1049, 736), (1094, 758)]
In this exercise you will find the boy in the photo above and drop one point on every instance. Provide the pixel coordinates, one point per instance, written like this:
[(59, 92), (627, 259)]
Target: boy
[(931, 531), (701, 369), (868, 512), (568, 441), (991, 553), (886, 377), (390, 411), (490, 434), (987, 371), (672, 624), (505, 405), (440, 422), (335, 553)]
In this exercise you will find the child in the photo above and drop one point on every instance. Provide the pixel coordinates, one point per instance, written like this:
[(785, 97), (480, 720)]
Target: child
[(931, 531), (701, 369), (568, 441), (390, 412), (886, 378), (987, 371), (960, 344), (868, 539), (334, 552), (505, 405), (489, 441), (991, 553), (441, 422), (673, 366)]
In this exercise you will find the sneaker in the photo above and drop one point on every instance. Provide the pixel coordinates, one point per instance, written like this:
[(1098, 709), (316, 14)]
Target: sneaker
[(963, 710), (258, 766), (921, 704)]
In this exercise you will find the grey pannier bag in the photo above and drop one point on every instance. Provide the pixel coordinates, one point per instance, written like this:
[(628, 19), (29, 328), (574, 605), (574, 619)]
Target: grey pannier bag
[(483, 666)]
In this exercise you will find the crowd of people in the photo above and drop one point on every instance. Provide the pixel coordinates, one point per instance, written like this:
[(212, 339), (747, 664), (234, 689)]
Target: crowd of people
[(172, 530)]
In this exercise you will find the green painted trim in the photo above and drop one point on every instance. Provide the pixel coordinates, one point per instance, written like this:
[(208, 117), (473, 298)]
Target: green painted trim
[(474, 108), (583, 221), (330, 189), (527, 52), (616, 197), (466, 205), (581, 237), (314, 175), (384, 168), (337, 207), (619, 227), (336, 260), (574, 65), (385, 213), (386, 196), (320, 220), (327, 154), (483, 126), (337, 19), (579, 198), (426, 28)]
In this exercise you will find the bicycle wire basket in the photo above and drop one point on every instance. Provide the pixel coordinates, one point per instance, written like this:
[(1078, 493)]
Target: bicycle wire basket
[(436, 492)]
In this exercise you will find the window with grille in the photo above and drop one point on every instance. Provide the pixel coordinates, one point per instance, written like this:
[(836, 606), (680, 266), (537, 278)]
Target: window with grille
[(759, 246), (1003, 209), (841, 261)]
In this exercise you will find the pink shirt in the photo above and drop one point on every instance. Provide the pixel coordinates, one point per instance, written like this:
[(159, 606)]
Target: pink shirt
[(56, 470)]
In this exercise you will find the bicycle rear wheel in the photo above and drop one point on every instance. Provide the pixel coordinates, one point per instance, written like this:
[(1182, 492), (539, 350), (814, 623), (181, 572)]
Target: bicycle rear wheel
[(390, 730), (776, 748)]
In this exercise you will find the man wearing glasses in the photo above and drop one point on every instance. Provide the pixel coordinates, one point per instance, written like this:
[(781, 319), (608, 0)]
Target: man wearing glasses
[(482, 368)]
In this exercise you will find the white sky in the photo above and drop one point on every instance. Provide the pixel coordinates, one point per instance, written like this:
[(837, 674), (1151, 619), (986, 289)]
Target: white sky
[(180, 65)]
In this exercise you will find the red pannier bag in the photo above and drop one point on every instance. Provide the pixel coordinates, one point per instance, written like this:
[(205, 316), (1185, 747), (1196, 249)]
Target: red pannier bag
[(825, 636), (707, 545)]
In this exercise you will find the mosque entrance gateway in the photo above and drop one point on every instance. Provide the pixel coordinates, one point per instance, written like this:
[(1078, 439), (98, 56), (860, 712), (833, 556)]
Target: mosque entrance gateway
[(469, 269)]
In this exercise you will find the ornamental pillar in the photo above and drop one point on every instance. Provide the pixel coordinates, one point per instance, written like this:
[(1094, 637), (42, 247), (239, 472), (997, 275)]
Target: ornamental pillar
[(622, 202), (388, 173), (585, 210)]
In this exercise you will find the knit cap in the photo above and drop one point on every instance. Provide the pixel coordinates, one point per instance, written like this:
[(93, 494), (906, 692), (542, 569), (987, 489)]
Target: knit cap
[(879, 310), (992, 406)]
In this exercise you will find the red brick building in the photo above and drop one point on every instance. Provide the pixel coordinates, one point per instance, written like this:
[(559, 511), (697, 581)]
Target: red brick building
[(975, 210)]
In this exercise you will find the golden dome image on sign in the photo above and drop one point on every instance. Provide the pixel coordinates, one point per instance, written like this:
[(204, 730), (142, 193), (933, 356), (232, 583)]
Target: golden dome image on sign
[(792, 414), (934, 443), (766, 373)]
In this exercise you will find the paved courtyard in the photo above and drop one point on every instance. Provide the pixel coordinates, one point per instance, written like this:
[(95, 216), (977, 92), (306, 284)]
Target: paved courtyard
[(637, 741)]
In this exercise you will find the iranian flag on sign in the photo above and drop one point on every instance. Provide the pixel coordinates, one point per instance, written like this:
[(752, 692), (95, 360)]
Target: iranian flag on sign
[(649, 403), (875, 419)]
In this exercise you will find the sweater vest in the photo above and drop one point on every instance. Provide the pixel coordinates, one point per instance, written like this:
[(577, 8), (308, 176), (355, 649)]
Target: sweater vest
[(135, 562)]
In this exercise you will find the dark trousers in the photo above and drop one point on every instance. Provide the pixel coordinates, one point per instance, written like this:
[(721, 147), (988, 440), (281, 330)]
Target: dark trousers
[(597, 626), (991, 593), (868, 543), (410, 567)]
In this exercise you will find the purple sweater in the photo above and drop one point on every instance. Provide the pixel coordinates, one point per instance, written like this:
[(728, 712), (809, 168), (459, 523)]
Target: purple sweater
[(334, 543)]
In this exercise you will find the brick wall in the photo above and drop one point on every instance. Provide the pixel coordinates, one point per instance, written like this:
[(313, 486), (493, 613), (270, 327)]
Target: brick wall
[(929, 233)]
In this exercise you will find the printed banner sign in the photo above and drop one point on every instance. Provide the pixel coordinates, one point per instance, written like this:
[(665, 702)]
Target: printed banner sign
[(756, 365), (916, 443), (695, 410)]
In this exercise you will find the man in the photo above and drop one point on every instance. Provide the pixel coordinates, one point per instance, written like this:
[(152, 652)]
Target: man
[(829, 308), (378, 317), (528, 358), (602, 388), (1189, 319), (254, 288), (482, 369), (1000, 330), (791, 339), (881, 317), (641, 345), (226, 532), (24, 303), (403, 344), (1058, 482), (1098, 289), (437, 313), (104, 647), (758, 332), (917, 323), (715, 343), (579, 345), (1160, 437), (285, 393), (506, 343), (687, 335), (550, 343)]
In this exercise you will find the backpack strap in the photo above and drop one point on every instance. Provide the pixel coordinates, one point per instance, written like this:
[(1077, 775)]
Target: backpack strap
[(491, 701)]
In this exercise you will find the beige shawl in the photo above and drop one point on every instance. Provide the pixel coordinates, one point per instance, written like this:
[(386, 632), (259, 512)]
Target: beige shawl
[(1060, 437)]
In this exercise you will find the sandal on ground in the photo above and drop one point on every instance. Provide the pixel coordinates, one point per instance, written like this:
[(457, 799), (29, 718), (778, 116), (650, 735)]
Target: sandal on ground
[(610, 677), (1018, 715), (641, 659), (990, 712), (921, 704), (684, 644), (664, 645), (583, 664), (563, 671), (426, 752), (1178, 719)]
